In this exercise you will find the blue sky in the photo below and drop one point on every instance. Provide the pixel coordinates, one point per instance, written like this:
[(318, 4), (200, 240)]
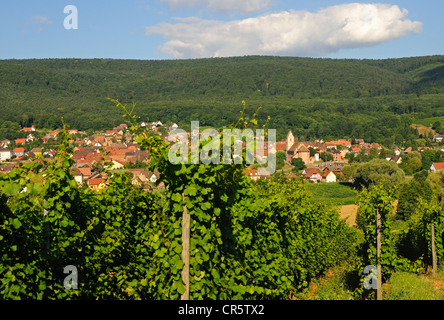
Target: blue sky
[(168, 29)]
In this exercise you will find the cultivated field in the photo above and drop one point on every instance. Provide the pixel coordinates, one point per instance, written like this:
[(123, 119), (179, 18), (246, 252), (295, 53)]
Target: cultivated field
[(348, 213)]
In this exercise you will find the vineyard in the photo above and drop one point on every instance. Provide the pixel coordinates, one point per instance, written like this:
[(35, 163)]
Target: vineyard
[(247, 240)]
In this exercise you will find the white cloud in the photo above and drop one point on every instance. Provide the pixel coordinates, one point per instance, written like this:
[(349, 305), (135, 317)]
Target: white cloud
[(39, 22), (298, 33), (220, 6)]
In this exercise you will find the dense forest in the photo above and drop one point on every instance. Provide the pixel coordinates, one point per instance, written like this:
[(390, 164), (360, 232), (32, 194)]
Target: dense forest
[(376, 100)]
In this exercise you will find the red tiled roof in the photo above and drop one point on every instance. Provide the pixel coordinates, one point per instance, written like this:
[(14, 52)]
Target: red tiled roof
[(28, 129), (85, 171), (281, 145), (340, 142), (82, 161), (291, 175), (311, 172), (120, 158), (95, 181), (302, 148), (119, 152), (326, 173), (439, 165), (251, 172)]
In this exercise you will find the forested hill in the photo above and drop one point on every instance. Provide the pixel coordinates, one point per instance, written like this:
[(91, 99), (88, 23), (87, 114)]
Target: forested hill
[(314, 97)]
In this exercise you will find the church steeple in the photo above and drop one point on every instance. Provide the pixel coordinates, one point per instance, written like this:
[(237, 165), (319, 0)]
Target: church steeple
[(289, 140)]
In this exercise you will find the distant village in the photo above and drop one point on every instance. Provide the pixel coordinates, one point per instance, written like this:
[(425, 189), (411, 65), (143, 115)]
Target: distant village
[(115, 150), (112, 150), (339, 151)]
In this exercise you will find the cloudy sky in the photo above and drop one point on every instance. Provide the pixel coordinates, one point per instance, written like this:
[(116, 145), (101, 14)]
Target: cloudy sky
[(176, 29)]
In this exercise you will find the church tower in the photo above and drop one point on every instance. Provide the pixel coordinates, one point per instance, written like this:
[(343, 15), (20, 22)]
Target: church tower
[(289, 141)]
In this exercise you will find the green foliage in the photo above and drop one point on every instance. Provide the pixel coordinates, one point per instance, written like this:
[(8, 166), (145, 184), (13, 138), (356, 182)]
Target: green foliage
[(312, 234), (10, 130), (136, 165), (410, 195), (410, 286), (378, 198), (326, 156), (412, 163), (298, 164), (436, 181), (372, 172), (338, 284), (47, 223), (41, 226), (415, 241), (335, 194), (433, 122), (280, 159), (437, 126), (410, 248), (428, 157), (247, 241)]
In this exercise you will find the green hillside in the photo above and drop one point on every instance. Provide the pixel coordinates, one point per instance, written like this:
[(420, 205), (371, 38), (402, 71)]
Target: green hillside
[(372, 99)]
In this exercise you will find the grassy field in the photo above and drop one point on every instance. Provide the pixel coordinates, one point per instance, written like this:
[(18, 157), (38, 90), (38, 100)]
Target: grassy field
[(336, 284), (337, 193), (410, 286), (429, 121), (340, 282), (424, 130)]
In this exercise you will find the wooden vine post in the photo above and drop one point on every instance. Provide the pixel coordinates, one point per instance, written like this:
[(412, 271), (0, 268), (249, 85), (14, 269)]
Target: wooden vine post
[(432, 236), (378, 255), (186, 251)]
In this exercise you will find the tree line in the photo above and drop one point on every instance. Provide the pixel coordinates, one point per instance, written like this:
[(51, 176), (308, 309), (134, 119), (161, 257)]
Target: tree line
[(316, 98)]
